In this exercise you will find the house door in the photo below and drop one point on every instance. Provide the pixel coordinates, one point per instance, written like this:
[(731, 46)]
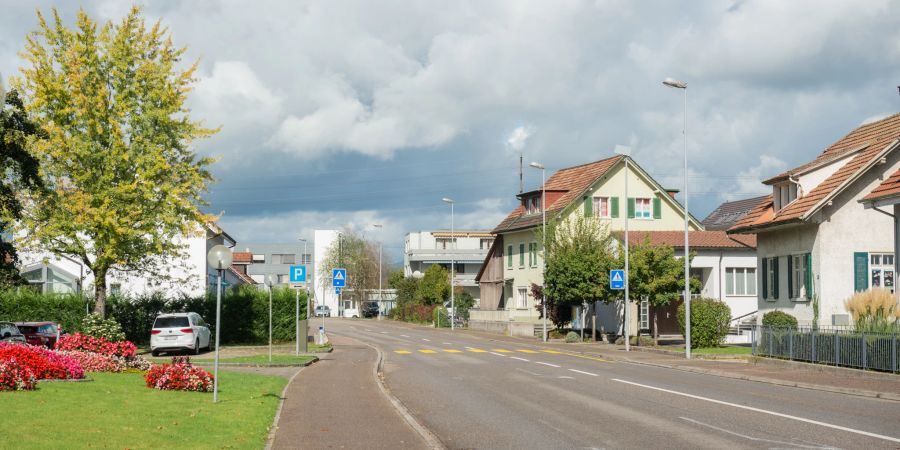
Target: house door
[(666, 318)]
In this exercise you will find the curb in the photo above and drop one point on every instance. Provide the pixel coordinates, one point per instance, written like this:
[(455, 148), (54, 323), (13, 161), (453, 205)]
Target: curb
[(262, 365), (270, 439)]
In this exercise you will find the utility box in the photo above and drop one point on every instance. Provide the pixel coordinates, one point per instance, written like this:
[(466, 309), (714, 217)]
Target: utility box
[(304, 331), (840, 319)]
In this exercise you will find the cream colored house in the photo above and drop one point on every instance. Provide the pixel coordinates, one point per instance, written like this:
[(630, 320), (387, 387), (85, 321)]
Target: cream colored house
[(594, 190)]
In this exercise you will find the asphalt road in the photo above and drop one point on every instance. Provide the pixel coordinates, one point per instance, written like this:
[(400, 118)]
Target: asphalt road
[(476, 392)]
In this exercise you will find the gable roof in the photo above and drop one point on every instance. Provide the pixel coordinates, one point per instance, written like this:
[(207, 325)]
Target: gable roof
[(865, 146), (697, 239), (729, 213), (242, 276), (888, 189)]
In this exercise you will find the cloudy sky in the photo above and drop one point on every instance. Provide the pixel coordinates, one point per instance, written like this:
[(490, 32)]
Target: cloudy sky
[(349, 113)]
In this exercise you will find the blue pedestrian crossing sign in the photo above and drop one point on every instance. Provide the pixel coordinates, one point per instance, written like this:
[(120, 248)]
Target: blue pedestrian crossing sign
[(338, 277), (617, 279), (298, 274), (337, 291)]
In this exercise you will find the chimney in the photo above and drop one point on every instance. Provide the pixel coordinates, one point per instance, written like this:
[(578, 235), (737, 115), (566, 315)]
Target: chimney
[(672, 192)]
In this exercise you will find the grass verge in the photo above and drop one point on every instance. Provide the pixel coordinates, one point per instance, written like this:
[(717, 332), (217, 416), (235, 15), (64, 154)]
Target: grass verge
[(261, 359), (725, 350), (118, 411)]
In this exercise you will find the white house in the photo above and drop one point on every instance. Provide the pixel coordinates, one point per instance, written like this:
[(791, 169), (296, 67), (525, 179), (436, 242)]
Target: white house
[(820, 237), (423, 249)]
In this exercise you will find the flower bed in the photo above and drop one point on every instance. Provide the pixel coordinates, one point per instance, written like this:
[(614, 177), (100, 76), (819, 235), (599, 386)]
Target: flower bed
[(15, 376), (43, 363), (84, 343), (181, 375)]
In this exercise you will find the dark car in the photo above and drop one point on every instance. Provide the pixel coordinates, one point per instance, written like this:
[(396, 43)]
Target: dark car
[(370, 309), (39, 333), (10, 333)]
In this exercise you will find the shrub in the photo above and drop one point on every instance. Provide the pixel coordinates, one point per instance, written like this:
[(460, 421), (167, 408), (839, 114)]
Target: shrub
[(43, 363), (874, 311), (646, 341), (709, 322), (83, 343), (181, 375), (441, 317), (25, 305), (97, 326), (15, 376), (573, 337), (96, 362), (779, 319)]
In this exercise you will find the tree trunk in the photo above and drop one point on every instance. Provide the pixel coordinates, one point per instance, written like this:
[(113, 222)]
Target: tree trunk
[(100, 292)]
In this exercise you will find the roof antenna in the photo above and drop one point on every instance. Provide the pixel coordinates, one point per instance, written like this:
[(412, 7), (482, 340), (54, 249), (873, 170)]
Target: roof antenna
[(521, 180)]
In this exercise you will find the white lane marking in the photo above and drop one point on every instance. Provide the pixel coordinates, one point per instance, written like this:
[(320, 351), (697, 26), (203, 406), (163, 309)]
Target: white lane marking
[(383, 332), (764, 411), (566, 377), (751, 438), (427, 340), (368, 330), (403, 335), (585, 373), (520, 359), (448, 343), (546, 364), (498, 354)]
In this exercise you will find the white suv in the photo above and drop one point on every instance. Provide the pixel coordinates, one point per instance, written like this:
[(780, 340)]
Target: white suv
[(179, 332)]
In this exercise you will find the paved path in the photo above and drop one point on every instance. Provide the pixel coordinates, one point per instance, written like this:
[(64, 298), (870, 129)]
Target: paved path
[(478, 391), (336, 403)]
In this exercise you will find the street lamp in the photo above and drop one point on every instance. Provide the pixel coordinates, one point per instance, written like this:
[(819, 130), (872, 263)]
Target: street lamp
[(297, 300), (271, 283), (625, 152), (380, 245), (672, 83), (543, 240), (452, 266), (218, 258)]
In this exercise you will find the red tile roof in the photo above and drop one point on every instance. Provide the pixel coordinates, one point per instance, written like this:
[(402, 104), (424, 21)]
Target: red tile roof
[(696, 239), (888, 188), (574, 181), (242, 276), (242, 257), (865, 144)]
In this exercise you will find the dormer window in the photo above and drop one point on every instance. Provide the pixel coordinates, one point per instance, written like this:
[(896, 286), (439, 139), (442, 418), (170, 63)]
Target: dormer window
[(783, 194), (533, 205)]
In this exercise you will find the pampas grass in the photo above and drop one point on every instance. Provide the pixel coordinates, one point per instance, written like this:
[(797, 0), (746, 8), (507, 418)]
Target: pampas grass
[(875, 310)]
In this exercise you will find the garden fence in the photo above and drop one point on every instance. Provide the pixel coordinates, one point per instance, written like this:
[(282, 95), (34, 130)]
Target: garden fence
[(835, 346)]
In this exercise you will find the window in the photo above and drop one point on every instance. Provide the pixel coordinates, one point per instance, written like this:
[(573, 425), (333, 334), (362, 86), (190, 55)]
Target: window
[(115, 289), (283, 278), (283, 258), (533, 205), (259, 259), (442, 243), (642, 208), (601, 207), (306, 258), (783, 194), (644, 314), (770, 278), (881, 267), (522, 297), (509, 256), (532, 254), (740, 281), (485, 244), (799, 277), (258, 279), (522, 255)]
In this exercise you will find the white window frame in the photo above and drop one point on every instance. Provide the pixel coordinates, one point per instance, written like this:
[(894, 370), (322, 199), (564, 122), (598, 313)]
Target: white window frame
[(882, 267), (770, 279), (640, 212), (749, 275), (798, 277), (532, 254), (521, 297), (644, 314), (598, 203)]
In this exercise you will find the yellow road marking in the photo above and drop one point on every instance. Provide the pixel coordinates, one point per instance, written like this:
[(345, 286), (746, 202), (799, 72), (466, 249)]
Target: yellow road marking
[(502, 350), (427, 351), (402, 352), (552, 351), (525, 350), (477, 350), (450, 350)]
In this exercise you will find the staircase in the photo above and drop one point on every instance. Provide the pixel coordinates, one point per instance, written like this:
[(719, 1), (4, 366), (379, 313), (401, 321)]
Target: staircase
[(740, 328)]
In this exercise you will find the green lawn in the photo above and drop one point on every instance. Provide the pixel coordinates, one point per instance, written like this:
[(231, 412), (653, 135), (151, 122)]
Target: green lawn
[(261, 359), (118, 411), (726, 350)]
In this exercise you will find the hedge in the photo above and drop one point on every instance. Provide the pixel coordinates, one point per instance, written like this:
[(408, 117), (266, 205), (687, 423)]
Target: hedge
[(779, 319), (25, 305), (709, 322)]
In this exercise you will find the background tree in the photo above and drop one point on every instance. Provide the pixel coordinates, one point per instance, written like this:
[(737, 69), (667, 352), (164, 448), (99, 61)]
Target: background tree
[(123, 183), (360, 257), (559, 315), (20, 173), (434, 288), (579, 256), (656, 274)]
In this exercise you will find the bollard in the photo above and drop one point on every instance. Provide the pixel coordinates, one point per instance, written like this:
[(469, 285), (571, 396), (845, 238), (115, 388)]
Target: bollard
[(594, 328)]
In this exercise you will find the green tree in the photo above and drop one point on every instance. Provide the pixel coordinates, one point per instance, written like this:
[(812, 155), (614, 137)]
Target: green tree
[(360, 257), (434, 288), (578, 259), (656, 274), (124, 185), (463, 302), (21, 174)]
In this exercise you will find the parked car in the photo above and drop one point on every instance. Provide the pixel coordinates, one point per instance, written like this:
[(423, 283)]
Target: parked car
[(10, 333), (351, 312), (39, 333), (370, 309), (179, 332), (323, 310)]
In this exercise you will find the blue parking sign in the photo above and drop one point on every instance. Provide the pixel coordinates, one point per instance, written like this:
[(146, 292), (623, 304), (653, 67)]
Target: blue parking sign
[(338, 277), (298, 274), (617, 279)]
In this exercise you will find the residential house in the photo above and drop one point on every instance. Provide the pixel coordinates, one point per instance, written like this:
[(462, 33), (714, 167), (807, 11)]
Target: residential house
[(261, 262), (729, 213), (423, 249), (595, 190), (821, 235)]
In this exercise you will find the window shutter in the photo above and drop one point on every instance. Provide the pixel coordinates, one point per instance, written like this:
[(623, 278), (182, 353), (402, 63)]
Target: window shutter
[(809, 279), (588, 207), (790, 259), (631, 208), (765, 278), (775, 285), (657, 208), (614, 207), (860, 271)]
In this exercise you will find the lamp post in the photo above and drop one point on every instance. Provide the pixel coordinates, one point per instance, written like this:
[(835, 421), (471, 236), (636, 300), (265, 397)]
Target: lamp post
[(452, 266), (540, 166), (218, 258), (297, 301), (672, 83), (271, 283), (625, 151), (380, 245)]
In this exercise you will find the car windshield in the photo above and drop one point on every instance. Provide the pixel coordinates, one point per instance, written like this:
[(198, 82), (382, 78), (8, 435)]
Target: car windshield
[(171, 322)]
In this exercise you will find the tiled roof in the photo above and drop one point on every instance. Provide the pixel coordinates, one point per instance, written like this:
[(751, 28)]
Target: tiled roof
[(888, 188), (462, 233), (573, 180), (729, 213), (696, 239), (865, 143), (244, 277), (242, 257)]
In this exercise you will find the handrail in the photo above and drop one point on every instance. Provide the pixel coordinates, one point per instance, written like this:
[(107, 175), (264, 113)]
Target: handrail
[(745, 315)]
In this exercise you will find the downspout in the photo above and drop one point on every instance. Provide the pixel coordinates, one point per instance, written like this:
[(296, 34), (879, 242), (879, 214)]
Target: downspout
[(721, 258)]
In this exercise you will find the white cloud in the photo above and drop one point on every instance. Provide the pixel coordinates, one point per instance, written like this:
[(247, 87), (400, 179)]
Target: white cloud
[(517, 139), (233, 96), (749, 182)]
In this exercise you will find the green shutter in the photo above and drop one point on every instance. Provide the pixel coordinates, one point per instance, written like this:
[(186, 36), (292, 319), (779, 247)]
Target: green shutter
[(790, 276), (860, 271), (588, 207), (765, 278), (809, 278), (521, 255), (775, 286), (614, 207), (509, 256), (657, 208), (631, 208)]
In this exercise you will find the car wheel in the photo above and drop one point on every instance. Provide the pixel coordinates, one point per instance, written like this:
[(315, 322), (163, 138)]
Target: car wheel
[(197, 347), (154, 353)]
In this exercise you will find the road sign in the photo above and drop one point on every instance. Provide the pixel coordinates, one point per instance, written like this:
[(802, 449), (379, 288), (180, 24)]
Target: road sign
[(337, 291), (338, 277), (617, 279), (298, 274)]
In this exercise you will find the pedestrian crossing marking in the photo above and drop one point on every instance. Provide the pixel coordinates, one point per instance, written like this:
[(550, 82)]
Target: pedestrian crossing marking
[(477, 350), (427, 351), (525, 350), (402, 352), (502, 350), (450, 350)]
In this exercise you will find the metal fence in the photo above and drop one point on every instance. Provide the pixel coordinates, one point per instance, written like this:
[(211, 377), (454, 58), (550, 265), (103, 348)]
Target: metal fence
[(835, 346)]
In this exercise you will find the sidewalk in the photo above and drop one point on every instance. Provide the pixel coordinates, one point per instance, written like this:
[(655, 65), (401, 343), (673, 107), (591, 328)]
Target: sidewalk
[(337, 403)]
